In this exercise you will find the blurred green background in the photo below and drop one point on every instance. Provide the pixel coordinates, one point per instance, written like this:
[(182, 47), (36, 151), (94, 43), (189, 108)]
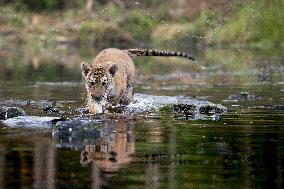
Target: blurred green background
[(65, 32), (250, 23)]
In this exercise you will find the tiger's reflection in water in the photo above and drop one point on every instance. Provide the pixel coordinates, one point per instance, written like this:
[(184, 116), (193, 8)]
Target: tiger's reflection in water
[(113, 151)]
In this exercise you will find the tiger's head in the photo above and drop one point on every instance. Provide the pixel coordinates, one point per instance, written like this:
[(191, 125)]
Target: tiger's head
[(100, 85)]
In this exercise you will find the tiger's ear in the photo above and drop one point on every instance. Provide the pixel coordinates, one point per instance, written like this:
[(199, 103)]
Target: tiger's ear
[(85, 67), (113, 69)]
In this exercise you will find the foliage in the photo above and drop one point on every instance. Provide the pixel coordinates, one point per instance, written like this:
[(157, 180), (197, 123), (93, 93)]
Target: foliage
[(86, 30), (42, 5), (184, 35), (258, 23), (269, 26), (103, 34), (146, 23), (139, 24)]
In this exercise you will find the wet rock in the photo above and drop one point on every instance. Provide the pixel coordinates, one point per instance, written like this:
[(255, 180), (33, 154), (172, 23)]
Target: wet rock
[(82, 110), (182, 106), (52, 108), (9, 112), (199, 111), (241, 97), (32, 122), (211, 108)]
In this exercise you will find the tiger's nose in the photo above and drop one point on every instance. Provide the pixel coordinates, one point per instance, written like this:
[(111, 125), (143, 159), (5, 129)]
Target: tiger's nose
[(97, 98)]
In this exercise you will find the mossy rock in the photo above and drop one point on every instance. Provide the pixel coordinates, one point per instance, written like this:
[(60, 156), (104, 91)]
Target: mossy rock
[(10, 112)]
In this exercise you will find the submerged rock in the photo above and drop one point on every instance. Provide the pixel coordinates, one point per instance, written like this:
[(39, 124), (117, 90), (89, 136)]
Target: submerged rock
[(241, 97), (9, 112)]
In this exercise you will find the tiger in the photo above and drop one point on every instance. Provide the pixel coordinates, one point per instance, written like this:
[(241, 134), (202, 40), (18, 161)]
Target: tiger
[(110, 78), (113, 149)]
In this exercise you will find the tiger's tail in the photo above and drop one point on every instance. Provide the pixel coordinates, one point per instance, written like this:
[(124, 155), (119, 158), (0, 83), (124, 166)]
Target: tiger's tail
[(150, 52)]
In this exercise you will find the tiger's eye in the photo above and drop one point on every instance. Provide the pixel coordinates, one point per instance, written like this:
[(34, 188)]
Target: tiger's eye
[(103, 83)]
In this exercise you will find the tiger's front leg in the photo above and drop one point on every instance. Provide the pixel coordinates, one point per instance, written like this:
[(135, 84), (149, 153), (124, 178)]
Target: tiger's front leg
[(126, 98)]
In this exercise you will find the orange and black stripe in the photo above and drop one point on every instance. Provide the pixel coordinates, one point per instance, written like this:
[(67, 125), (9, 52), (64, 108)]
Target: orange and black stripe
[(150, 52)]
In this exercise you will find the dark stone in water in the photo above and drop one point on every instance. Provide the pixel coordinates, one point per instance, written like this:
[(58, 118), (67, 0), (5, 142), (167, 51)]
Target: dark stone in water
[(207, 109), (9, 112), (82, 110), (184, 108), (75, 133), (52, 108), (49, 107), (201, 111), (241, 97)]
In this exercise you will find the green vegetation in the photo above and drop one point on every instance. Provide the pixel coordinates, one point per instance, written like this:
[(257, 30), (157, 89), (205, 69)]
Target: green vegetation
[(42, 5), (139, 24), (36, 5), (68, 31), (184, 34), (163, 24), (257, 24)]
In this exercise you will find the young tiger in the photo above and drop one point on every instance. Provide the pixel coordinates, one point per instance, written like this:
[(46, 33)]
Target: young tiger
[(110, 78)]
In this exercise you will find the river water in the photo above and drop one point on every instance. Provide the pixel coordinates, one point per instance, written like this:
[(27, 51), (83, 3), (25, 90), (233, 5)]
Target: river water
[(242, 148)]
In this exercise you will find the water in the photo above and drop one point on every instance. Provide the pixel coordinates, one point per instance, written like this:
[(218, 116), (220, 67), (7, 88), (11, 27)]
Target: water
[(242, 148)]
